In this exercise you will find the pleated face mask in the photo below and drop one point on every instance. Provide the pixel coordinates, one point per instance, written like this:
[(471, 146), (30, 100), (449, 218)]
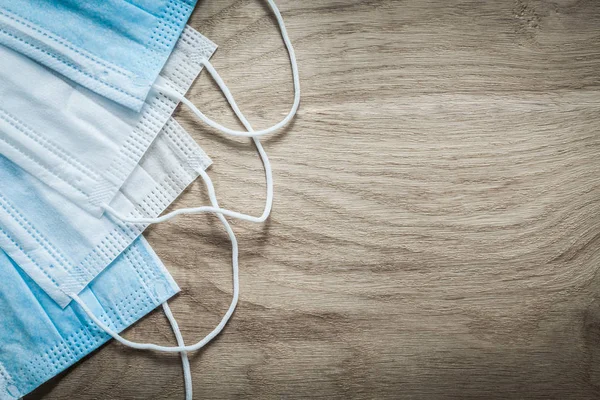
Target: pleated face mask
[(113, 47), (214, 205), (60, 245), (39, 339), (124, 219), (80, 143)]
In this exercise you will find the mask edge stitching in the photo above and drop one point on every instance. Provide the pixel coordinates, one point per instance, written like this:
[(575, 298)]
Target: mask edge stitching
[(6, 380), (65, 42), (24, 223), (149, 305), (101, 195), (71, 66)]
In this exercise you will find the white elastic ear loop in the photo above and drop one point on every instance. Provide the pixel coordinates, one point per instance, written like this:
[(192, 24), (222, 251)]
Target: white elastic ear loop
[(185, 362), (196, 210), (296, 78), (206, 209), (207, 338), (214, 332), (215, 207), (251, 133)]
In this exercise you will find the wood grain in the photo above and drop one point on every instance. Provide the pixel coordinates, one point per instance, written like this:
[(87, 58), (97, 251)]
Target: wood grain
[(436, 229)]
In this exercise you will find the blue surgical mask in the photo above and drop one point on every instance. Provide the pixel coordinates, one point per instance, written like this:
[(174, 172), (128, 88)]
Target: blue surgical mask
[(39, 339), (115, 48)]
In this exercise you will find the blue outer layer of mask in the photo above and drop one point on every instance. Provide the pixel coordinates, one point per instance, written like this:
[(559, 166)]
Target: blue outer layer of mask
[(39, 339), (114, 47)]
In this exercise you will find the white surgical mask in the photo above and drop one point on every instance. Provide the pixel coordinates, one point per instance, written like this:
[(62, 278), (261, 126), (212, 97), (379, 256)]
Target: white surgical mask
[(76, 141), (61, 246)]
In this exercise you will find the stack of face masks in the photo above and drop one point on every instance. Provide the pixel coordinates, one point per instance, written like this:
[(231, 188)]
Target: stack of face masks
[(89, 157)]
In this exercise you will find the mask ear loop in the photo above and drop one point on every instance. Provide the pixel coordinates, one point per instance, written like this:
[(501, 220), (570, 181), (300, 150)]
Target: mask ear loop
[(215, 206), (185, 362), (207, 338), (234, 248), (204, 209), (296, 78), (216, 210), (250, 133)]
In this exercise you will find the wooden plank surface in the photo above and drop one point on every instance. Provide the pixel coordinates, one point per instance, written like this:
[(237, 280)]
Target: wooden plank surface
[(436, 228)]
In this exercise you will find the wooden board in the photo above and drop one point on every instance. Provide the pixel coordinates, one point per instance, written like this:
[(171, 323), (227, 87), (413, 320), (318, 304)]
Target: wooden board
[(436, 227)]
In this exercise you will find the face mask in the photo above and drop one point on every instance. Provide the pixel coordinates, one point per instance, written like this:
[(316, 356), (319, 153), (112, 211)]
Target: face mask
[(39, 339), (61, 246), (115, 48), (214, 207), (80, 143)]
